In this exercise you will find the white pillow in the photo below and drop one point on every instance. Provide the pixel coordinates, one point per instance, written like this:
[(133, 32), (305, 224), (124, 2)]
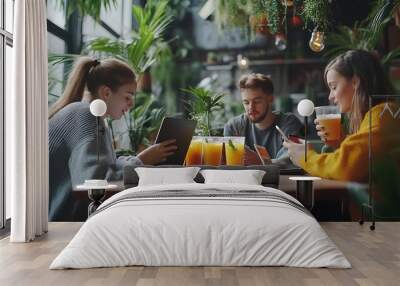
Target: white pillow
[(248, 177), (165, 176)]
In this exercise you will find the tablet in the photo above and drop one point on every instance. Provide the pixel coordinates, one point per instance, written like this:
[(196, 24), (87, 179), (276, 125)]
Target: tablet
[(263, 154), (182, 131)]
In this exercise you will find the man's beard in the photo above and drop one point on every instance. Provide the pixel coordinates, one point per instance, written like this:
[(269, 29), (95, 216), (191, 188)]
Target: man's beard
[(260, 118)]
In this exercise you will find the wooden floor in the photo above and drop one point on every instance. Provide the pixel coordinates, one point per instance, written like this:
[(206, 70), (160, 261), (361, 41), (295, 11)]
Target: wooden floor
[(375, 257)]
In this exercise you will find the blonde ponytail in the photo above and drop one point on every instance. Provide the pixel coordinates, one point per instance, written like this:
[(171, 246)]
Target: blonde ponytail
[(91, 74), (76, 84)]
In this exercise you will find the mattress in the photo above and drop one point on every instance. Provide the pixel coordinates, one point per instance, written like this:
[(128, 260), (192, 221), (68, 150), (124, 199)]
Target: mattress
[(201, 225)]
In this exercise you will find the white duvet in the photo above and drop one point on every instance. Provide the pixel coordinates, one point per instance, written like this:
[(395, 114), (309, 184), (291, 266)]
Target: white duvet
[(200, 231)]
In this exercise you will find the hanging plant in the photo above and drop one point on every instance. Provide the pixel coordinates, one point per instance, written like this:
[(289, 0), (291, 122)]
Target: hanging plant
[(259, 24), (316, 13), (254, 13), (365, 35), (274, 11), (232, 13), (91, 8)]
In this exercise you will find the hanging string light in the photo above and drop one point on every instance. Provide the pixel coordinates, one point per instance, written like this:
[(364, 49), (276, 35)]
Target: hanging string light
[(317, 41), (280, 42)]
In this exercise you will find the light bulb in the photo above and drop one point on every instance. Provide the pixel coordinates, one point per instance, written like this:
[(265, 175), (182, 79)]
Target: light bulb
[(280, 42), (242, 62), (287, 3), (98, 107), (305, 107), (317, 41)]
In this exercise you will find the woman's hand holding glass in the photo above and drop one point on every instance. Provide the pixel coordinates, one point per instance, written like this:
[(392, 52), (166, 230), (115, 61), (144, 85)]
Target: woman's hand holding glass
[(323, 134), (157, 153)]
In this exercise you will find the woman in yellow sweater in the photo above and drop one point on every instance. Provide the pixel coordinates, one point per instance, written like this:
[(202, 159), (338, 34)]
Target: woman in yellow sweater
[(351, 78)]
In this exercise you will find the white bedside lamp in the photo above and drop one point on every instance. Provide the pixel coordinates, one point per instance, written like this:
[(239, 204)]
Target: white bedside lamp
[(96, 187), (98, 108), (305, 108)]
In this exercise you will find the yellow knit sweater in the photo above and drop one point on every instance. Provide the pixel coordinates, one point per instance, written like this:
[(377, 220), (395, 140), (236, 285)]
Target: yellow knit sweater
[(350, 161)]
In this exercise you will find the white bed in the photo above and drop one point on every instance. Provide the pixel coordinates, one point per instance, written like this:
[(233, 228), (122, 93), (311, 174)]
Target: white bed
[(248, 225)]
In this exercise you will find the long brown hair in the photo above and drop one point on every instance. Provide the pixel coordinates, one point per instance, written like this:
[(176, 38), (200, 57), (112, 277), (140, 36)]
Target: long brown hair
[(373, 80), (91, 74)]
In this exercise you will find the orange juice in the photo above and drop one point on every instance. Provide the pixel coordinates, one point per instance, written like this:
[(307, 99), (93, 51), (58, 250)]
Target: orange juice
[(234, 151), (195, 153), (331, 124), (212, 153)]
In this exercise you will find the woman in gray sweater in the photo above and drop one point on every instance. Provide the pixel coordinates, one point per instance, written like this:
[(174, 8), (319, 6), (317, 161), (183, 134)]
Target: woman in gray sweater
[(72, 134)]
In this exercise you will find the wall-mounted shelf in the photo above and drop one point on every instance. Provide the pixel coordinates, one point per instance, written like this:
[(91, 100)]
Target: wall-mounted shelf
[(272, 62)]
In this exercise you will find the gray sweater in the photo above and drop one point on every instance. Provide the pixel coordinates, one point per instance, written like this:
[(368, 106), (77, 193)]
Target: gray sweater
[(73, 159), (269, 137)]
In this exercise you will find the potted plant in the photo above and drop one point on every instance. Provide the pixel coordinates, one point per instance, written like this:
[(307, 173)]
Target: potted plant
[(203, 103), (141, 52), (365, 35), (84, 7), (147, 43), (142, 121)]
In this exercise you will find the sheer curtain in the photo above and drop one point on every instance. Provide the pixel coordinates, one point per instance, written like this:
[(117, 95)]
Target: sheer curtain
[(27, 124)]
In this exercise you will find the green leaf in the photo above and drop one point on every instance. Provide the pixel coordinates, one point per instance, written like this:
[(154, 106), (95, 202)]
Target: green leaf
[(365, 35), (230, 143), (87, 7), (201, 106), (140, 52), (394, 54)]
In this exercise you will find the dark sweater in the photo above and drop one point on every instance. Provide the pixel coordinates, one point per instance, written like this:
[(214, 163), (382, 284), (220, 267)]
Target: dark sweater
[(269, 137), (73, 159)]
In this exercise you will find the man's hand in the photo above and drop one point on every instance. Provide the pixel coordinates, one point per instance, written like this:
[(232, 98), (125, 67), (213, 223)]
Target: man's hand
[(158, 152), (251, 157)]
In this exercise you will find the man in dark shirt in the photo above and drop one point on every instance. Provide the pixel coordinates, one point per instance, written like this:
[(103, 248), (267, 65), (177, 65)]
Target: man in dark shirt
[(258, 122)]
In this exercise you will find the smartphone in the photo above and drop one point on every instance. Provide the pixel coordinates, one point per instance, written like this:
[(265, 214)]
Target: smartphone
[(263, 154), (281, 132), (295, 139)]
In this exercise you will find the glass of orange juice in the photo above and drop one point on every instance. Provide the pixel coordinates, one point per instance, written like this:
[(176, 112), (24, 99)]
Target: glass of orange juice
[(234, 150), (194, 155), (212, 150), (329, 117)]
